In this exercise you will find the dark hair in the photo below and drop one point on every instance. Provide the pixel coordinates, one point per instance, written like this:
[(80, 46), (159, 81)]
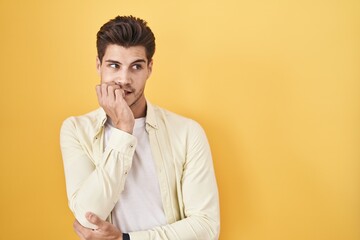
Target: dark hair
[(125, 31)]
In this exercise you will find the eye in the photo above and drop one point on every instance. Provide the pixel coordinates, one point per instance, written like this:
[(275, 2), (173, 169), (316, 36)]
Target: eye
[(137, 67), (114, 65)]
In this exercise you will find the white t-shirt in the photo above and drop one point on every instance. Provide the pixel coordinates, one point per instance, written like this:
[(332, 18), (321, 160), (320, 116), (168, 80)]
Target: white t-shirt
[(140, 206)]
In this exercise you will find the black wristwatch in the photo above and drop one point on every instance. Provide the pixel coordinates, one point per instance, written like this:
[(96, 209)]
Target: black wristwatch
[(126, 236)]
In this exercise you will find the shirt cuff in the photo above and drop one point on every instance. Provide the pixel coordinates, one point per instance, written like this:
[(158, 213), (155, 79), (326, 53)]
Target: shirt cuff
[(122, 141)]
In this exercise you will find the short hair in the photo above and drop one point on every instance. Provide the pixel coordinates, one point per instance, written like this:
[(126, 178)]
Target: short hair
[(125, 31)]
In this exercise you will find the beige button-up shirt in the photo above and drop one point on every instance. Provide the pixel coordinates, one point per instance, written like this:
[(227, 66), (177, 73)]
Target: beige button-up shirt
[(95, 177)]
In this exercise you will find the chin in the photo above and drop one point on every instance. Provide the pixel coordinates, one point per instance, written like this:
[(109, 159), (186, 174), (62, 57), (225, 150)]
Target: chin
[(129, 103)]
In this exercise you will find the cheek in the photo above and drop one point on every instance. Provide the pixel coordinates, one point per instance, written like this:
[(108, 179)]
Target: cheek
[(140, 84), (107, 77), (139, 80)]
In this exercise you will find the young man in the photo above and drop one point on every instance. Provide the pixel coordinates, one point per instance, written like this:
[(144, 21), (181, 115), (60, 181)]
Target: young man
[(134, 170)]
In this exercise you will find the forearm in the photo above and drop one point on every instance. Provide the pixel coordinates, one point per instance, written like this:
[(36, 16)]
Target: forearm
[(197, 194), (97, 194), (94, 182), (199, 201), (194, 228)]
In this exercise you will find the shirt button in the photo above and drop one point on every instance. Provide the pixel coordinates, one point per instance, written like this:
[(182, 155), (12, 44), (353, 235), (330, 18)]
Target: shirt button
[(126, 172), (131, 145)]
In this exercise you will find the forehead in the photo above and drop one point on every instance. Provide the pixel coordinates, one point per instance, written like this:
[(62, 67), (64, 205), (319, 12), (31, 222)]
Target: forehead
[(123, 54)]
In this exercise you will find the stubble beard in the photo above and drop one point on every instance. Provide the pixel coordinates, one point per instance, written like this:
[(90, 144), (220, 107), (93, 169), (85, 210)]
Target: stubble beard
[(137, 99)]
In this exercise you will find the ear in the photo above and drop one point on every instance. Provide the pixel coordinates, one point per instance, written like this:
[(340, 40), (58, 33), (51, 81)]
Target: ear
[(150, 65), (98, 66)]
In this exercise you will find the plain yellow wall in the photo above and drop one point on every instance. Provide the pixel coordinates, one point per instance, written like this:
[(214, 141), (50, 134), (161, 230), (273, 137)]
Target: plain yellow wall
[(275, 84)]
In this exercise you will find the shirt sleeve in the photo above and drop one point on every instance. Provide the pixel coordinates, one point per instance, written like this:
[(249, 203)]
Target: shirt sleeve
[(94, 184), (199, 196)]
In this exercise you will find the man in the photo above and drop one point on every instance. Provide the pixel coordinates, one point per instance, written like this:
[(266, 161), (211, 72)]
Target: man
[(134, 170)]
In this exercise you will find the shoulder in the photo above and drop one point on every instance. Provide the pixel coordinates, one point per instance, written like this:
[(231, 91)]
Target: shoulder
[(186, 136), (174, 118), (177, 123), (86, 121)]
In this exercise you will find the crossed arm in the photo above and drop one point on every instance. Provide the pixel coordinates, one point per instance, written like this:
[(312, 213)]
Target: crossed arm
[(90, 183), (199, 199)]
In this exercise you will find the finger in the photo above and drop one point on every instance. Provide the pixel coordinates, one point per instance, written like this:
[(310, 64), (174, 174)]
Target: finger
[(119, 94), (111, 93), (104, 92), (112, 83), (98, 92), (79, 234), (78, 229), (94, 219)]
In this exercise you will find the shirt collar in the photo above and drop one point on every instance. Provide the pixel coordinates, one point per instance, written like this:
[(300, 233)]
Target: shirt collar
[(150, 118), (100, 121)]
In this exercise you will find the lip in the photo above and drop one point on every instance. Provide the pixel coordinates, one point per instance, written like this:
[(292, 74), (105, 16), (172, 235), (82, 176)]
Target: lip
[(127, 92)]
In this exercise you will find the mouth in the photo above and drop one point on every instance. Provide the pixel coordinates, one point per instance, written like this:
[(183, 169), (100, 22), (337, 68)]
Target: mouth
[(127, 92)]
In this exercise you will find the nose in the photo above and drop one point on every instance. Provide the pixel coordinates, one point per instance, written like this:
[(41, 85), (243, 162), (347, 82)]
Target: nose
[(124, 78)]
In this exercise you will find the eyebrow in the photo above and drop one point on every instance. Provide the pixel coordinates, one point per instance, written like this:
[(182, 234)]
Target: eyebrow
[(117, 62)]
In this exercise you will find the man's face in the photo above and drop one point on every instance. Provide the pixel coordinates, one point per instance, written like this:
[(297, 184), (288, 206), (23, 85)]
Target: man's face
[(127, 67)]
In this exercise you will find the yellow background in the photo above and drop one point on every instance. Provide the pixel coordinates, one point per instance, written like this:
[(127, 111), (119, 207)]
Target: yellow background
[(275, 84)]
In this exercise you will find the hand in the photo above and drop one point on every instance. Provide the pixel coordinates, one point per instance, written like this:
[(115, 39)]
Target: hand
[(105, 230), (111, 99)]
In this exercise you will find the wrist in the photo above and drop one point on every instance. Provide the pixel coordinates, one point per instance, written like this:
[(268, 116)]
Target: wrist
[(124, 127)]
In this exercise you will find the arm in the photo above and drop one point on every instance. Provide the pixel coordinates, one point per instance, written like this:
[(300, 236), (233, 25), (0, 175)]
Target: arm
[(199, 202), (94, 185)]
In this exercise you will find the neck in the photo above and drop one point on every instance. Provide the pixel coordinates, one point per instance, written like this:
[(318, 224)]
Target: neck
[(139, 108)]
